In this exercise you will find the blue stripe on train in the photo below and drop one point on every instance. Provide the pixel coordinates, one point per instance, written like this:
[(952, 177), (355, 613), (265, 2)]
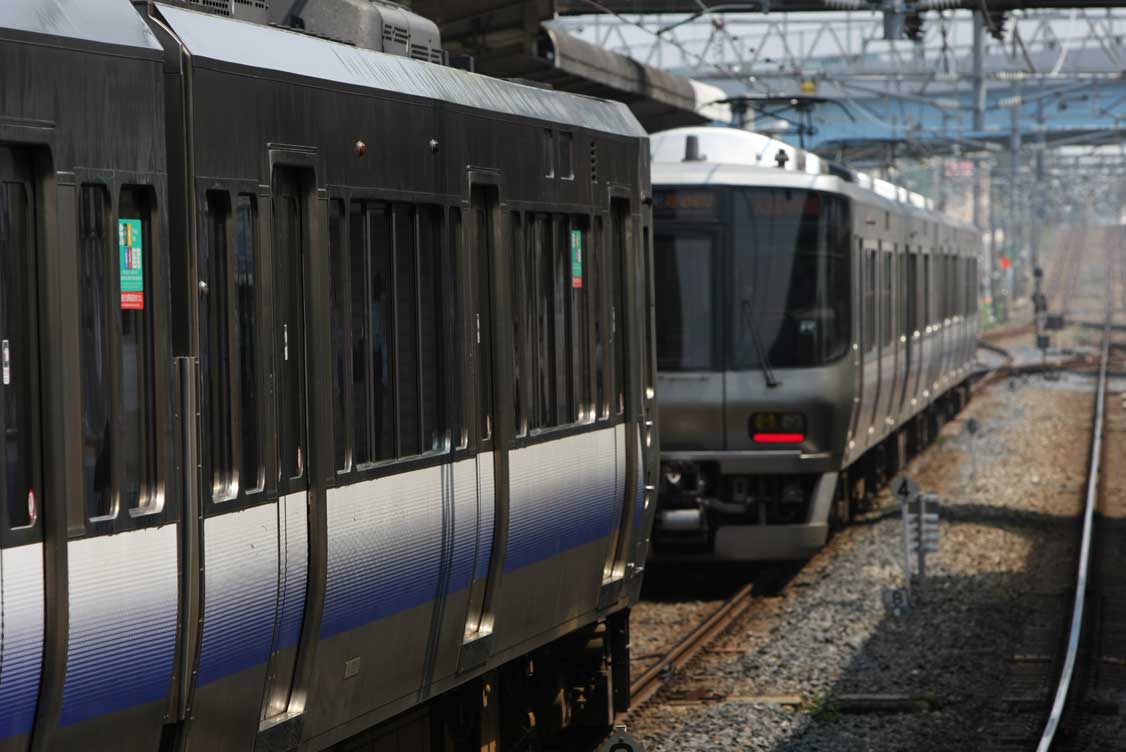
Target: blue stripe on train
[(240, 591), (21, 659), (123, 594), (564, 495)]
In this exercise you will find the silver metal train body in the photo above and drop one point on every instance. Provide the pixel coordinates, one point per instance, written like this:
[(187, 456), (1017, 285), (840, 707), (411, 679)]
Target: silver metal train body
[(327, 387), (814, 325)]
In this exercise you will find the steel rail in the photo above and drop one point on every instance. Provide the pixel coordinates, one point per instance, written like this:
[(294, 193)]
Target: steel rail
[(1071, 657), (653, 678)]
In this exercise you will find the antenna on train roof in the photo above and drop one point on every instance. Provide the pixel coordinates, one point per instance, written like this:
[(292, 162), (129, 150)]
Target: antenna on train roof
[(692, 149)]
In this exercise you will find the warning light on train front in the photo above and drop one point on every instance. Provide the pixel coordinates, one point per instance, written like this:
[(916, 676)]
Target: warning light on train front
[(777, 428)]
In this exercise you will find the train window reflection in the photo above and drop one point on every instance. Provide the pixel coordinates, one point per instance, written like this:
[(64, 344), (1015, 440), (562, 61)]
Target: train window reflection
[(683, 280), (94, 284), (17, 333), (791, 278)]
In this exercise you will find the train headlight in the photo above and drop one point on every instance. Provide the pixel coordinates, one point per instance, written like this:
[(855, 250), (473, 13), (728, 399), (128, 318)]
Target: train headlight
[(777, 428)]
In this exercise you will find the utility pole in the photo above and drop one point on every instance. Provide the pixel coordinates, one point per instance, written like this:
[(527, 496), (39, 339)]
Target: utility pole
[(1013, 234), (979, 109)]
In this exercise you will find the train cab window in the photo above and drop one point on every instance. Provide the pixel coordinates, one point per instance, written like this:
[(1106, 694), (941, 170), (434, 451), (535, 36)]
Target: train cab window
[(18, 398), (790, 302), (683, 268), (577, 273)]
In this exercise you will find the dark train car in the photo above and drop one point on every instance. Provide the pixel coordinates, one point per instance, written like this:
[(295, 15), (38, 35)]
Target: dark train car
[(814, 326), (89, 542), (329, 385)]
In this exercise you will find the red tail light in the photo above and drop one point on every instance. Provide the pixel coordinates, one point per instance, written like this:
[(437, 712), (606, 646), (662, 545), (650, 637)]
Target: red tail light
[(779, 438)]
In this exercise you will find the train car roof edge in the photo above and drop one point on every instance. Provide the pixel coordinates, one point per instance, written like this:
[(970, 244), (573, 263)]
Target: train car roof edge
[(268, 48), (721, 173), (108, 22)]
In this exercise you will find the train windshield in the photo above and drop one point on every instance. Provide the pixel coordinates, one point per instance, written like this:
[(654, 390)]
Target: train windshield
[(683, 264), (790, 280)]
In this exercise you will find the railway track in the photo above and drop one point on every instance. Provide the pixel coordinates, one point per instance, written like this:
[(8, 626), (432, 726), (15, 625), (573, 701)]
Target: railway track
[(1058, 675)]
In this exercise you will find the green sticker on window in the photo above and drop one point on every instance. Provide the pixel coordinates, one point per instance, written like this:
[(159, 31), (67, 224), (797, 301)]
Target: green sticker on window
[(576, 258), (132, 264)]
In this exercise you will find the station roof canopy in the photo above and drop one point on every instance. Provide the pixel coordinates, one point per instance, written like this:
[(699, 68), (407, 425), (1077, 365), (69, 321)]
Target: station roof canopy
[(510, 40)]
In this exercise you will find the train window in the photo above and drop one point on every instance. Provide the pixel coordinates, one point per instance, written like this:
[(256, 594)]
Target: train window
[(619, 240), (519, 323), (217, 363), (870, 301), (407, 344), (596, 260), (431, 265), (388, 319), (579, 274), (379, 307), (566, 317), (138, 398), (96, 290), (361, 323), (483, 227), (548, 153), (451, 275), (251, 475), (910, 300), (566, 156), (339, 298), (289, 236), (18, 351), (546, 331), (927, 297), (886, 302)]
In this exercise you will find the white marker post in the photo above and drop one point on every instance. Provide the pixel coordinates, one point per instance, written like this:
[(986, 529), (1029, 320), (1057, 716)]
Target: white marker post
[(905, 490)]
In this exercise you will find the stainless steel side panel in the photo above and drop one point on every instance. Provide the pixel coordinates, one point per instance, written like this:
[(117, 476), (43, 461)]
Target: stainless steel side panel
[(123, 600), (21, 650)]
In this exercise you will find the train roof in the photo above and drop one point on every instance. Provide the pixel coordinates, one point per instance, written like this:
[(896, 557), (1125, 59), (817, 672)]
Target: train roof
[(727, 156), (109, 22), (253, 45)]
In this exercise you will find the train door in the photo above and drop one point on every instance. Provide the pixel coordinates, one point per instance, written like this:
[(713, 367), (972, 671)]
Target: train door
[(21, 471), (291, 234), (908, 307), (872, 349), (253, 248), (622, 276), (493, 434), (122, 564)]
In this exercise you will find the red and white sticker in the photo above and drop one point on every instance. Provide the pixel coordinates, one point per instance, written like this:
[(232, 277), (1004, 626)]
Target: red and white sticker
[(6, 356)]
